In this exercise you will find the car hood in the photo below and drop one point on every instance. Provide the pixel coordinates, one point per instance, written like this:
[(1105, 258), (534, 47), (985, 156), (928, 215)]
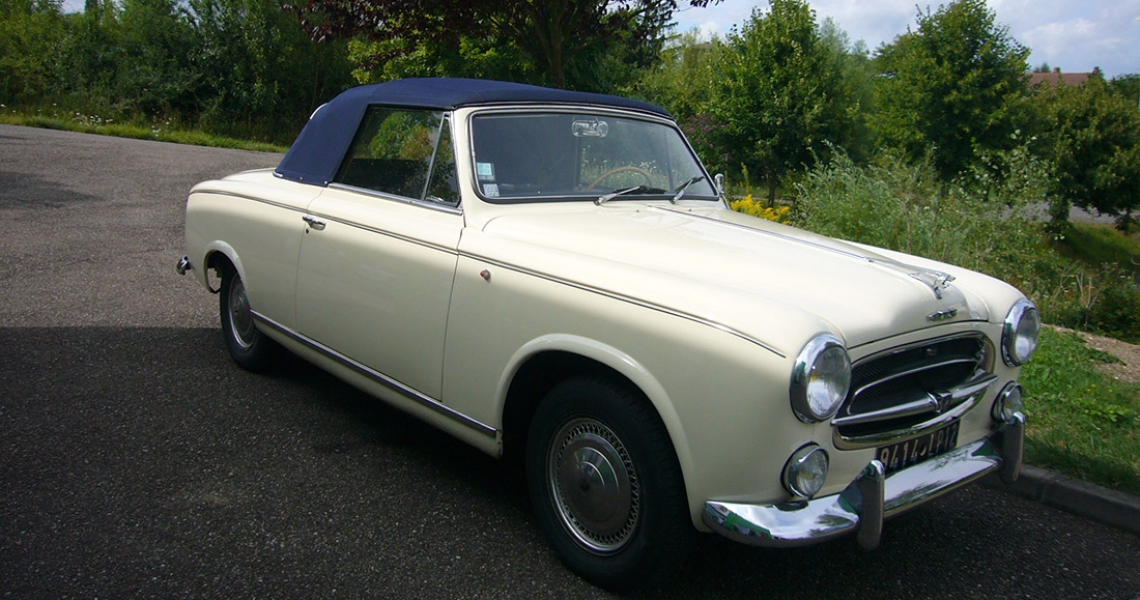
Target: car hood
[(752, 275)]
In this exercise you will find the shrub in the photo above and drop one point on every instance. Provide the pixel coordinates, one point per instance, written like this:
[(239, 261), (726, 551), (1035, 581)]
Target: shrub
[(749, 206), (977, 223)]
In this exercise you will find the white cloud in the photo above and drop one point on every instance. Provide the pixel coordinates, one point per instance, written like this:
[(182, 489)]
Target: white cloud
[(874, 22), (706, 31), (1075, 36)]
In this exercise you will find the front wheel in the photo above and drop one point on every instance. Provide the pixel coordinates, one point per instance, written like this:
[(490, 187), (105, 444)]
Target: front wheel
[(248, 347), (606, 485)]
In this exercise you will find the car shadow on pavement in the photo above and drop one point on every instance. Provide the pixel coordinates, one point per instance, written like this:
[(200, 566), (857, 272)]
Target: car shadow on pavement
[(142, 461), (25, 190)]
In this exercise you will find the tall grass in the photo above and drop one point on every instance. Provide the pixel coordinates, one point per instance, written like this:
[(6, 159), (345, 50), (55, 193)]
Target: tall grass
[(979, 223)]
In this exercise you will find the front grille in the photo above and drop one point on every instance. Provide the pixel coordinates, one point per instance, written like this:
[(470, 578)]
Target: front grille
[(895, 392)]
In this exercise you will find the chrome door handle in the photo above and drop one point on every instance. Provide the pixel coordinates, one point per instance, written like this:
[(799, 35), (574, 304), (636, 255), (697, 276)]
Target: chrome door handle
[(314, 222)]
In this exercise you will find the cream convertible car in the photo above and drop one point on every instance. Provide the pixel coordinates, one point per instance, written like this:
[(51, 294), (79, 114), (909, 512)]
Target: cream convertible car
[(553, 275)]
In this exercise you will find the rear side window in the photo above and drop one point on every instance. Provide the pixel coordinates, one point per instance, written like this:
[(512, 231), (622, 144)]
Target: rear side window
[(403, 153)]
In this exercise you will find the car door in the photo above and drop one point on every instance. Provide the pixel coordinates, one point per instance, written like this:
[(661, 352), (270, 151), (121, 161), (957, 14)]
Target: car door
[(378, 258)]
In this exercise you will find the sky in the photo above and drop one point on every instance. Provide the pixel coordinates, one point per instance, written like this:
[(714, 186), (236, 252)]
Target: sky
[(1075, 35)]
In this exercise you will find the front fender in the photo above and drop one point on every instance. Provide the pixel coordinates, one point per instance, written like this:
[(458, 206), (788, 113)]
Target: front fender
[(617, 360)]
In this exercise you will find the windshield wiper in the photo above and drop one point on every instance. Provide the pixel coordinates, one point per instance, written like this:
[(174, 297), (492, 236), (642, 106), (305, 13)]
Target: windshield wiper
[(641, 189), (684, 186)]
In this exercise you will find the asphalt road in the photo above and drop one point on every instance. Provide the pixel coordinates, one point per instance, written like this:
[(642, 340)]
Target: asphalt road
[(137, 461)]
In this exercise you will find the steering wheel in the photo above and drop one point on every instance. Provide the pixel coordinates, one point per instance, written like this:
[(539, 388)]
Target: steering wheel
[(646, 174)]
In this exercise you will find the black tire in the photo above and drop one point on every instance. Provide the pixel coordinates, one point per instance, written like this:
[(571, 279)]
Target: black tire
[(248, 346), (605, 484)]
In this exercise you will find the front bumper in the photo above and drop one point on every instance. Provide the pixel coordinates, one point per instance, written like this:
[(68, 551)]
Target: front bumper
[(873, 496)]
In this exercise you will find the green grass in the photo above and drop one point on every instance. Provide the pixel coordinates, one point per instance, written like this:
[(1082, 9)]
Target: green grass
[(1081, 422), (1101, 244), (156, 132)]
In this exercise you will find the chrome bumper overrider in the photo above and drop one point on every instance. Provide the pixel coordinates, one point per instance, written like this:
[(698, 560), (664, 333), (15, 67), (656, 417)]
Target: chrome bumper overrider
[(872, 497)]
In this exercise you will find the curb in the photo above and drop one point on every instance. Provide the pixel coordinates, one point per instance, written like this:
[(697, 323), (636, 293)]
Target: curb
[(1073, 496)]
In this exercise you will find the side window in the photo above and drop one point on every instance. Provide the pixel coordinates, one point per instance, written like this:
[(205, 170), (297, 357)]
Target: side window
[(444, 188), (393, 153)]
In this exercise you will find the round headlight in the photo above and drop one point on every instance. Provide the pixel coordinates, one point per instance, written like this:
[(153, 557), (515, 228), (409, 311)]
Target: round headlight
[(806, 471), (820, 379), (1019, 335)]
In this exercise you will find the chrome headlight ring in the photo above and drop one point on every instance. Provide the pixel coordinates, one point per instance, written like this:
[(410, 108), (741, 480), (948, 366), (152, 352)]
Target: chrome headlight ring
[(821, 378), (806, 471), (1019, 333), (1008, 403)]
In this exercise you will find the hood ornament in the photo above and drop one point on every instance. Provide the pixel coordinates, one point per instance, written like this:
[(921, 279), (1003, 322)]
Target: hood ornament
[(937, 280)]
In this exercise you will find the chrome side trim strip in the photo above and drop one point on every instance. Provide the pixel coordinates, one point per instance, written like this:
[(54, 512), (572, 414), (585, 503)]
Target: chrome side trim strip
[(633, 301), (446, 209), (371, 229), (869, 499), (379, 378), (250, 198)]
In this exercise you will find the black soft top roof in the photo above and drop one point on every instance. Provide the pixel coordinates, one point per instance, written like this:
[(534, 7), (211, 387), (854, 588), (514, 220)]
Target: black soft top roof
[(319, 149)]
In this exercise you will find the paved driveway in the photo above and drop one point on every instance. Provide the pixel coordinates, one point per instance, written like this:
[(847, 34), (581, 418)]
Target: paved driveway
[(137, 461)]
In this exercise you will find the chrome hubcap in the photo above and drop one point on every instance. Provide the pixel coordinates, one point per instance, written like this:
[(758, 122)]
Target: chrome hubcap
[(241, 315), (594, 485)]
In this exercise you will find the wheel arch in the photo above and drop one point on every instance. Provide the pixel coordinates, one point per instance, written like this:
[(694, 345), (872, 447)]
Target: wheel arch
[(217, 256), (544, 363)]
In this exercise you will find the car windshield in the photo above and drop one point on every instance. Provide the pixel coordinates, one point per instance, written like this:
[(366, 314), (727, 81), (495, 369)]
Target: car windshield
[(534, 156)]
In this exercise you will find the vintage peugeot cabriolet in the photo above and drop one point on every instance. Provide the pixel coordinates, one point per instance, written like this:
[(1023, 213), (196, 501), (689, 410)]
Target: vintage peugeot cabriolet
[(553, 275)]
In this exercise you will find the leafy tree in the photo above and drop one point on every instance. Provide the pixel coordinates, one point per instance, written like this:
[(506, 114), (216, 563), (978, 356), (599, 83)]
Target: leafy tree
[(682, 83), (1127, 86), (129, 59), (234, 67), (781, 94), (32, 29), (1091, 136), (567, 43), (857, 88), (953, 85), (478, 58), (156, 75), (88, 59), (262, 76)]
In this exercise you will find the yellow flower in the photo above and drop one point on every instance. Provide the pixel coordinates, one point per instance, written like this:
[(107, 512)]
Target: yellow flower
[(749, 206)]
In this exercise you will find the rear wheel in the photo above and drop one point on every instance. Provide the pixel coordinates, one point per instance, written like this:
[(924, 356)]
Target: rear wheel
[(605, 484), (248, 347)]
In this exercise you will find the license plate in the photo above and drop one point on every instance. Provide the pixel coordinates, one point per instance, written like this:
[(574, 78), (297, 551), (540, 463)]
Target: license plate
[(911, 452)]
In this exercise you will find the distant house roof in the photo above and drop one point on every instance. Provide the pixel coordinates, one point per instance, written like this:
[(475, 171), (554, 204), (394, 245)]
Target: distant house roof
[(318, 151), (1056, 77)]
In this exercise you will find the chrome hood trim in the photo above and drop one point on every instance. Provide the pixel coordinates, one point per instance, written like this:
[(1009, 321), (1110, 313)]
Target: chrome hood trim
[(762, 279)]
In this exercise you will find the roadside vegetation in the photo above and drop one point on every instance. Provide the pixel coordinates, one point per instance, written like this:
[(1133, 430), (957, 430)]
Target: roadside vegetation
[(159, 132), (1083, 421), (932, 144)]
